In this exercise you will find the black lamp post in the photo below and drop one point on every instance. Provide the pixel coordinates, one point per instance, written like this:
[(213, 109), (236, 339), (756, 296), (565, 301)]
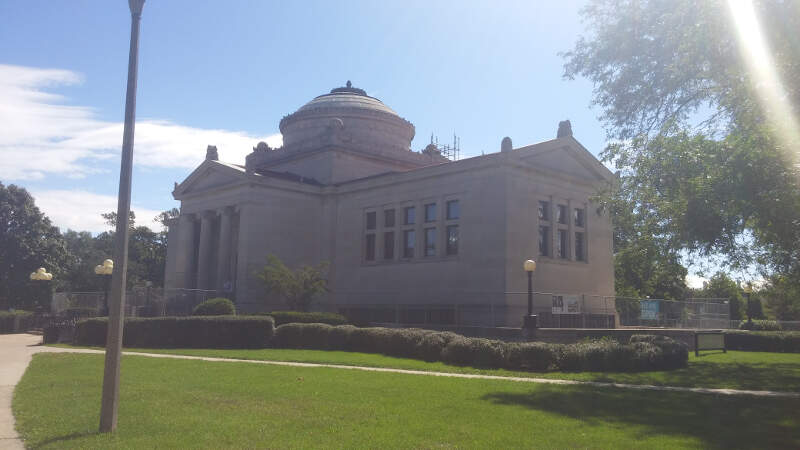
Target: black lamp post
[(529, 321), (41, 275), (105, 270)]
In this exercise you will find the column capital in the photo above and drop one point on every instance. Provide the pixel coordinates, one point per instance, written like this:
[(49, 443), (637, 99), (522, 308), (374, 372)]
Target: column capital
[(226, 210), (208, 214)]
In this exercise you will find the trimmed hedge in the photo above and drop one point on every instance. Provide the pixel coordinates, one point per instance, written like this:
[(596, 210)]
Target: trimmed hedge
[(182, 332), (763, 341), (15, 322), (284, 317), (641, 353), (760, 325), (218, 306)]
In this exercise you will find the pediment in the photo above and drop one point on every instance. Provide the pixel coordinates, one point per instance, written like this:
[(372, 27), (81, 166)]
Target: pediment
[(211, 175), (568, 157)]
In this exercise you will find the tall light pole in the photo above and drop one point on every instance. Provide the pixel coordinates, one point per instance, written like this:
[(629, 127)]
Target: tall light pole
[(529, 322), (110, 402)]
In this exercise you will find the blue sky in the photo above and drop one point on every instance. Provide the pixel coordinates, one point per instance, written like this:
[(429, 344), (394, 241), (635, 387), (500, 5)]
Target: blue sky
[(225, 73)]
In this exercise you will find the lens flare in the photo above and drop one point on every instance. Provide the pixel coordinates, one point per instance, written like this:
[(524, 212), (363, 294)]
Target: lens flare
[(768, 86)]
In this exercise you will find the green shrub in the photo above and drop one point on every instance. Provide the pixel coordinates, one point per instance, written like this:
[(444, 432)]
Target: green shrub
[(282, 317), (182, 332), (15, 322), (475, 352), (641, 353), (532, 356), (674, 353), (339, 337), (215, 307), (763, 341), (760, 325), (50, 334), (430, 346)]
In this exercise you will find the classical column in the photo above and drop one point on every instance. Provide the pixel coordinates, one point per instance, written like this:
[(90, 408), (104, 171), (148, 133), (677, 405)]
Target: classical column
[(204, 255), (224, 282), (185, 264)]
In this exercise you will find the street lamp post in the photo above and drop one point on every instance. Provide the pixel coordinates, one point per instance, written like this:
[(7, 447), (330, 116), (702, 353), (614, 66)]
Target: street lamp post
[(110, 400), (41, 275), (529, 321), (748, 290), (105, 270)]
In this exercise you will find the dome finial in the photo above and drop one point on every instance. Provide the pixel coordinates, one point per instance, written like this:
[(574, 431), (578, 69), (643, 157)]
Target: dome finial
[(349, 84)]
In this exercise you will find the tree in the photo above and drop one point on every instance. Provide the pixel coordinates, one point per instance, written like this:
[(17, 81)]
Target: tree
[(164, 217), (781, 298), (85, 252), (27, 241), (722, 286), (147, 251), (705, 166), (111, 219), (297, 287)]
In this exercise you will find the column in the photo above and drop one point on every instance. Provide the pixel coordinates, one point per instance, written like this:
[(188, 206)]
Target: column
[(204, 255), (224, 282), (185, 264)]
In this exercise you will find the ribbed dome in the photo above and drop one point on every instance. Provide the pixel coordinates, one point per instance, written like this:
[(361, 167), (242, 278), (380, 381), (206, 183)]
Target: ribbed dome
[(362, 119), (347, 97)]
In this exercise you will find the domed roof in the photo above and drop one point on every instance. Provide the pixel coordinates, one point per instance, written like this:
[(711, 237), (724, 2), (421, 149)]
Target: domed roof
[(346, 97), (350, 113)]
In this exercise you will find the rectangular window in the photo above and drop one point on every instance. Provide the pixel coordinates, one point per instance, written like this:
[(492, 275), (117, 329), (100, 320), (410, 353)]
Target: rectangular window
[(430, 212), (562, 214), (409, 215), (544, 211), (370, 254), (579, 217), (579, 254), (409, 238), (453, 210), (388, 218), (452, 240), (388, 245), (430, 241), (371, 220), (544, 241), (562, 244)]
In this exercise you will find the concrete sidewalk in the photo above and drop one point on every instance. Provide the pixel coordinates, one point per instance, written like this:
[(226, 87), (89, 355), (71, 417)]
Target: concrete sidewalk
[(15, 354)]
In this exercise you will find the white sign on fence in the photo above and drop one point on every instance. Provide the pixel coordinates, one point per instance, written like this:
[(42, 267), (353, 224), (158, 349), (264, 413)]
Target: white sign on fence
[(566, 304)]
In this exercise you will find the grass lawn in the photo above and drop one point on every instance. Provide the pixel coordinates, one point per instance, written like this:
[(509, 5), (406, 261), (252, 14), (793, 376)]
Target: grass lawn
[(197, 404), (734, 370)]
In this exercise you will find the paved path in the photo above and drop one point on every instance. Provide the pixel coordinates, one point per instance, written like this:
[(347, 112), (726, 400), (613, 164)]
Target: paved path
[(16, 351)]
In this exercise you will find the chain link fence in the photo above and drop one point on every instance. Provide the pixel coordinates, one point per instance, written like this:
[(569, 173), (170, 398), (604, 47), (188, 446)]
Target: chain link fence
[(506, 309), (702, 313), (139, 302)]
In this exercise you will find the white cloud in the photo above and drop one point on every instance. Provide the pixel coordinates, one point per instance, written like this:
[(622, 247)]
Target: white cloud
[(80, 210), (67, 140)]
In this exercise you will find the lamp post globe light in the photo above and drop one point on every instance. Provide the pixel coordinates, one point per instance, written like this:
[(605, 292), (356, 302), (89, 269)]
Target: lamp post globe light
[(41, 274), (529, 321), (105, 270)]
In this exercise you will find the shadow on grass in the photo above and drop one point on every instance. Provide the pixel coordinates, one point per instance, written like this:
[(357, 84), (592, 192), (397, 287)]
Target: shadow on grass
[(767, 376), (719, 421), (66, 437)]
